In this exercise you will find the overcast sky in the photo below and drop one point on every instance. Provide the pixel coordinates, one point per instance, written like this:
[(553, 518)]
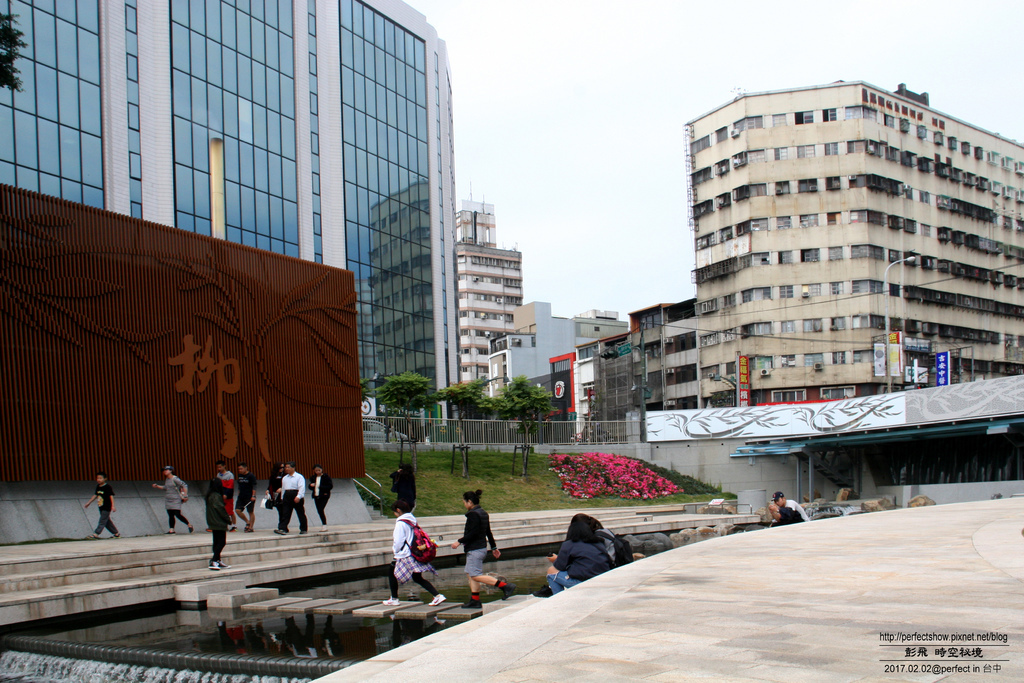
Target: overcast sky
[(569, 114)]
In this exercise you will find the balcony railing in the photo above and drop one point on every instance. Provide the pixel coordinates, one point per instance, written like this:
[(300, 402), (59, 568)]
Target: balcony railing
[(496, 432)]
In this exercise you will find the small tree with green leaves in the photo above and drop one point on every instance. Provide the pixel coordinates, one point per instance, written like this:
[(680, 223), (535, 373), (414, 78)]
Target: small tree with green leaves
[(525, 402), (406, 394), (466, 396), (11, 45)]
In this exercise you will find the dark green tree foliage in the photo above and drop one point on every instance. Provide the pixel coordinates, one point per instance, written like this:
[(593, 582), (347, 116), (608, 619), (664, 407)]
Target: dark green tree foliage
[(407, 394), (466, 396), (11, 45), (526, 403)]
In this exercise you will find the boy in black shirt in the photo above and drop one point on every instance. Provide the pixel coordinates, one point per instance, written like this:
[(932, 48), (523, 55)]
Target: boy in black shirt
[(245, 504), (104, 498)]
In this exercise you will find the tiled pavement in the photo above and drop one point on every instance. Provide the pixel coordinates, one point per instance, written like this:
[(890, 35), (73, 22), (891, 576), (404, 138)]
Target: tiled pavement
[(803, 603)]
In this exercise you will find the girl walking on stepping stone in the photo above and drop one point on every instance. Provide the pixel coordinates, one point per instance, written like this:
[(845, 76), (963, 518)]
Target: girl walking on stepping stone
[(405, 566), (475, 539)]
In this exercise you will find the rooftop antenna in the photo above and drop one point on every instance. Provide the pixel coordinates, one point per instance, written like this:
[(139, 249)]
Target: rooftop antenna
[(470, 190)]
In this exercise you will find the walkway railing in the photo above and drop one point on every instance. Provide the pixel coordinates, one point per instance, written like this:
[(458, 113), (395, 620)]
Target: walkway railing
[(496, 432)]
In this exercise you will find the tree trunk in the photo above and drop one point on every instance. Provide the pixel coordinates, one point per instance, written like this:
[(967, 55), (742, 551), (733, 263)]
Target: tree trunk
[(412, 443), (462, 447), (526, 447)]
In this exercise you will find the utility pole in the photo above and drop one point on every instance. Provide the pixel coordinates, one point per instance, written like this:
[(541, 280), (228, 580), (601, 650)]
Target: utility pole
[(885, 293)]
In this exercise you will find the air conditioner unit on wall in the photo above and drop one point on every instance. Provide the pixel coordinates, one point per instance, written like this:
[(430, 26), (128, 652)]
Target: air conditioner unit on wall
[(735, 132), (766, 372), (818, 367)]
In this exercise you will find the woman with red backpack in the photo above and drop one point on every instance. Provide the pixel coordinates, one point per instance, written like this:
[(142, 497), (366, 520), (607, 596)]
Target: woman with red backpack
[(405, 566)]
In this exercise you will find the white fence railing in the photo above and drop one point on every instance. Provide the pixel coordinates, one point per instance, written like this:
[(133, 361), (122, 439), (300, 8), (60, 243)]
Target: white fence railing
[(496, 432)]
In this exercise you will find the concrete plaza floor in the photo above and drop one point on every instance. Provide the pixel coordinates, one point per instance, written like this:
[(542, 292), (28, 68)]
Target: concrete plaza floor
[(884, 596)]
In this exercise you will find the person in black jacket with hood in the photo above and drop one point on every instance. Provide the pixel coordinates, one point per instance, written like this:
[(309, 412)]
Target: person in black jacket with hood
[(474, 540), (582, 556)]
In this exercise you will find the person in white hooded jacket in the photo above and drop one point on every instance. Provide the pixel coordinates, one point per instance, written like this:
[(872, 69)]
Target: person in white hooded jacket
[(405, 566)]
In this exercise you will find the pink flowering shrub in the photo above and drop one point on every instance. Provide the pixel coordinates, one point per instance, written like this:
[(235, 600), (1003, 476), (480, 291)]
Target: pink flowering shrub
[(596, 475)]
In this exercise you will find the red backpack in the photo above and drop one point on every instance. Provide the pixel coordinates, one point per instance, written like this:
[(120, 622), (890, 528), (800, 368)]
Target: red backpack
[(423, 549)]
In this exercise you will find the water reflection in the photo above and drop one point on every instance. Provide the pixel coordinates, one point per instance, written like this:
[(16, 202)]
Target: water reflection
[(343, 638)]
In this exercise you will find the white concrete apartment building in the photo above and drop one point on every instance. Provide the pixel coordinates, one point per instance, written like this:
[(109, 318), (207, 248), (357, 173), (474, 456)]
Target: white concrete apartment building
[(490, 287), (801, 201)]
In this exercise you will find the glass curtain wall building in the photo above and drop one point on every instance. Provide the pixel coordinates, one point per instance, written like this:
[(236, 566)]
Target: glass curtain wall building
[(319, 129)]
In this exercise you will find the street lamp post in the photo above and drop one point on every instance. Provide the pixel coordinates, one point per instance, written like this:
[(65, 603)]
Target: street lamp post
[(886, 294)]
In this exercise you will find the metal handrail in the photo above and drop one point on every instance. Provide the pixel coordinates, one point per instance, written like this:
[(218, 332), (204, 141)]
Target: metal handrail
[(380, 498)]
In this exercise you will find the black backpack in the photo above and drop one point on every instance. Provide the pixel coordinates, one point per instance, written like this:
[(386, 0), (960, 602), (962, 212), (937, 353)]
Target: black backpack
[(788, 516), (623, 550)]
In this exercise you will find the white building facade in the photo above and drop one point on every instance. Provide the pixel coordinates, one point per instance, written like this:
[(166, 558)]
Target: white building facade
[(540, 337), (490, 287), (802, 199)]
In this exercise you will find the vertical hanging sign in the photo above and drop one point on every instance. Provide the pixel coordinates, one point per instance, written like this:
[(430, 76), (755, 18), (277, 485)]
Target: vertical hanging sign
[(942, 369), (743, 380), (896, 354)]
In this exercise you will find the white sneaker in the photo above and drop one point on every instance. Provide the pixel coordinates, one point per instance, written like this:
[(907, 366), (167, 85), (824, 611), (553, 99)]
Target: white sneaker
[(391, 602), (438, 599), (323, 530), (223, 566)]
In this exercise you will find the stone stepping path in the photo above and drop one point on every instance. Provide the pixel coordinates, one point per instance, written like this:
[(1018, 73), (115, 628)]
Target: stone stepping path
[(345, 606), (422, 611), (240, 598), (307, 606), (461, 613), (271, 605), (379, 609)]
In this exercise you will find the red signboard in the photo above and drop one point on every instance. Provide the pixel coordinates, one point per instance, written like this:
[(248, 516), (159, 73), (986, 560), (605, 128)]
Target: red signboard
[(743, 379)]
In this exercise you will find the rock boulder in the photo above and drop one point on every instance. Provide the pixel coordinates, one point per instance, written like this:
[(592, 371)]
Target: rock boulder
[(877, 505), (919, 501)]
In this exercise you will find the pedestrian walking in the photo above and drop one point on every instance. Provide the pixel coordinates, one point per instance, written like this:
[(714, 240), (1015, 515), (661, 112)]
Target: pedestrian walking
[(175, 494), (405, 567), (475, 539), (403, 483), (293, 498), (227, 480), (320, 487), (104, 498), (274, 489), (217, 520), (245, 504)]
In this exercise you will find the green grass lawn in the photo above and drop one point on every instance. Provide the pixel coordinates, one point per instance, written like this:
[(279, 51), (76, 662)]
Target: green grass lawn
[(438, 492)]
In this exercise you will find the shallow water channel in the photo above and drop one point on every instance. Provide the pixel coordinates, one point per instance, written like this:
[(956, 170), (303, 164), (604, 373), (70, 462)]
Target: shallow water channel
[(271, 637)]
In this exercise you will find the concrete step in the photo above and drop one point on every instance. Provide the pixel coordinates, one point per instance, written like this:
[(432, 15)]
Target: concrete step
[(346, 548), (134, 567), (358, 547), (92, 554)]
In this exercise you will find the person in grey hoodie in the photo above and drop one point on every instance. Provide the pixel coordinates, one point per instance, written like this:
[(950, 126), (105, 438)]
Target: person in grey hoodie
[(175, 494)]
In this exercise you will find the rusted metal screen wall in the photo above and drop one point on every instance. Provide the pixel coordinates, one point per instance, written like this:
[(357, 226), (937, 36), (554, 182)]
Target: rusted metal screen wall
[(127, 345)]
